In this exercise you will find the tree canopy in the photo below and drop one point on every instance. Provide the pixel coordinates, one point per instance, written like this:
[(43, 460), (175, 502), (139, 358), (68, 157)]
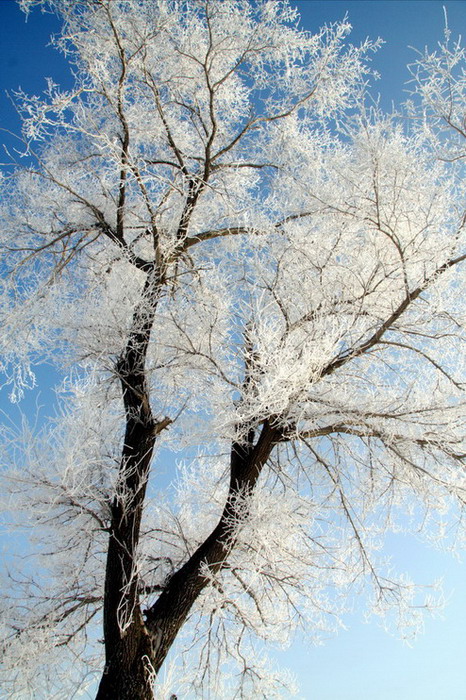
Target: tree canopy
[(252, 282)]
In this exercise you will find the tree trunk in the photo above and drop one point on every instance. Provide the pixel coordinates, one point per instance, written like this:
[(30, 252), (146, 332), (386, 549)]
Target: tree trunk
[(129, 675), (168, 614), (138, 654), (135, 649)]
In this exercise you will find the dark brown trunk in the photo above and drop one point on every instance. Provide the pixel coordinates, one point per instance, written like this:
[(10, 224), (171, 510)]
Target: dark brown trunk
[(135, 649), (134, 658), (128, 673), (166, 617)]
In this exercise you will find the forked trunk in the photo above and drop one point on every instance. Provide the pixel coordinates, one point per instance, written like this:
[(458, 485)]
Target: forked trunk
[(136, 654)]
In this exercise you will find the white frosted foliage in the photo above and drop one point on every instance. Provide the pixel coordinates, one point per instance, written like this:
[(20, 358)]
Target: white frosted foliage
[(215, 189)]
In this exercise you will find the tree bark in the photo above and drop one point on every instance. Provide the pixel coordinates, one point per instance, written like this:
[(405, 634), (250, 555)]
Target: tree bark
[(128, 673), (168, 614), (135, 648), (136, 656)]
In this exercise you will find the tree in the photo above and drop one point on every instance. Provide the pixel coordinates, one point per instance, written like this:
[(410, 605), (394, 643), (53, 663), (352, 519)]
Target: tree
[(233, 258)]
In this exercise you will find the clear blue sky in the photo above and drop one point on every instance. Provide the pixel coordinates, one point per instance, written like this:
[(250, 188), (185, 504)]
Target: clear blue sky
[(364, 662)]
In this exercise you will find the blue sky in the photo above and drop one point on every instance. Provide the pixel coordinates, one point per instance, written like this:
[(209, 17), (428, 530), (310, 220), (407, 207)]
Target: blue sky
[(364, 662)]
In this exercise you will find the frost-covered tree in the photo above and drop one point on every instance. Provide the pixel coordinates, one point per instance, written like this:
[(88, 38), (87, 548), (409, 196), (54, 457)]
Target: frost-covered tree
[(252, 284)]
